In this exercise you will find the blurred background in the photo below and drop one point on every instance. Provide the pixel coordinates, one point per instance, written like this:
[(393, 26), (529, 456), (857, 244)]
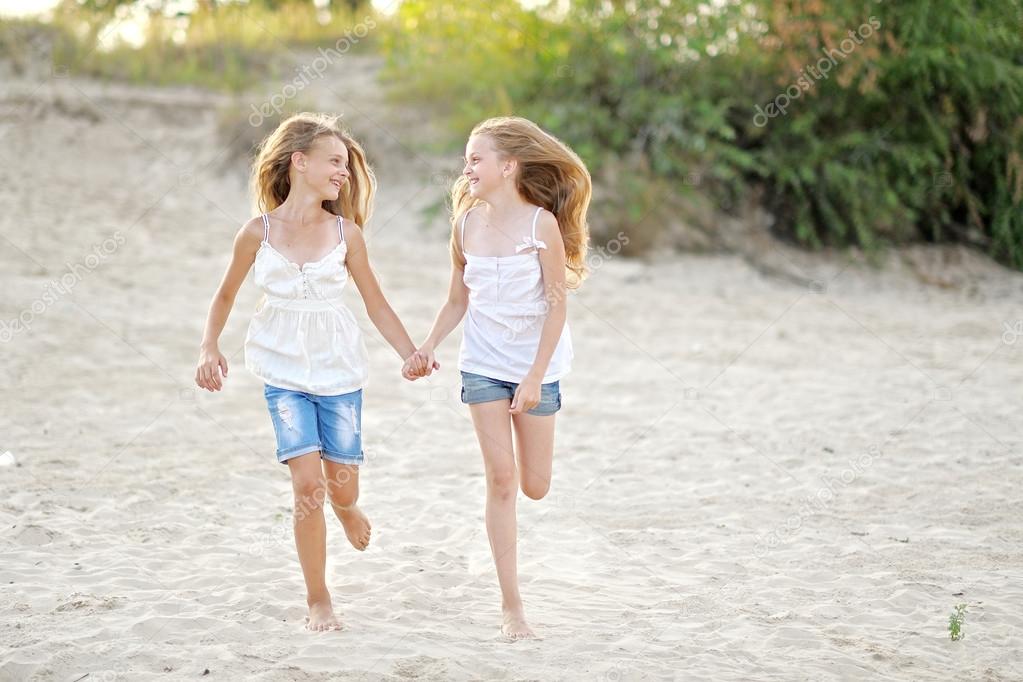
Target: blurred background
[(828, 124)]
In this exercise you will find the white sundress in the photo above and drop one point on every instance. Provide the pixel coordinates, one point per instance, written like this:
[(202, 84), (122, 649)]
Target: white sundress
[(302, 336), (507, 309)]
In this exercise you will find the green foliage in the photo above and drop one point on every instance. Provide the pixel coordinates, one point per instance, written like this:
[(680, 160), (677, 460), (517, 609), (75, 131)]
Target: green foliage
[(224, 46), (449, 49), (921, 140), (955, 622), (915, 132)]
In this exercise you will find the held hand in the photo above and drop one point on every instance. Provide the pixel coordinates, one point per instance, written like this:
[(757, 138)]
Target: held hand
[(427, 362), (527, 396), (208, 373), (417, 364), (408, 370)]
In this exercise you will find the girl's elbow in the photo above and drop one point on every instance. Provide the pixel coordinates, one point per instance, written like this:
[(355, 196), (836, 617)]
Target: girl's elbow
[(378, 312), (223, 298)]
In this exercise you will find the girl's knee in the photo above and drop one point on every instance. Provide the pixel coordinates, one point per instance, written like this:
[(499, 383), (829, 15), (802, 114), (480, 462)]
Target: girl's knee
[(343, 497), (502, 483), (310, 491), (535, 489), (343, 488)]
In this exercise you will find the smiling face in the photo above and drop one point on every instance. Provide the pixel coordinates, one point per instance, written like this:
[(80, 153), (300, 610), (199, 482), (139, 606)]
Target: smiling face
[(485, 167), (325, 166)]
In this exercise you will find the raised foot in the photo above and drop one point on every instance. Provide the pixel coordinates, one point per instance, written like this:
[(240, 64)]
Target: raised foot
[(356, 525)]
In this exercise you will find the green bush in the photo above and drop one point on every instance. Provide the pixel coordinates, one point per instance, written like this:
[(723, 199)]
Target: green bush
[(914, 133), (222, 46), (917, 136)]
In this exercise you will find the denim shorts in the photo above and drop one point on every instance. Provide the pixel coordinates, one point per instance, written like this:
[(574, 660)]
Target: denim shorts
[(477, 388), (305, 422)]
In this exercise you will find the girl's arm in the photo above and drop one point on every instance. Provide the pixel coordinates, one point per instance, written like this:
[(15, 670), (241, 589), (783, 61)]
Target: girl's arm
[(450, 314), (246, 243), (552, 264), (379, 310)]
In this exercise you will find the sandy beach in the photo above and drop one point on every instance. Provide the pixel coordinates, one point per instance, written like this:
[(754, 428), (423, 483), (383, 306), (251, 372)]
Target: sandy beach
[(754, 479)]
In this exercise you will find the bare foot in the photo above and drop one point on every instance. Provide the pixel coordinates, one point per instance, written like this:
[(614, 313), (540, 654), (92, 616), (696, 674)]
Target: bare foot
[(356, 525), (321, 616), (515, 626)]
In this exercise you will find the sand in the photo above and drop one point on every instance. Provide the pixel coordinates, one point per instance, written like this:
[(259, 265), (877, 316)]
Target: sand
[(754, 479)]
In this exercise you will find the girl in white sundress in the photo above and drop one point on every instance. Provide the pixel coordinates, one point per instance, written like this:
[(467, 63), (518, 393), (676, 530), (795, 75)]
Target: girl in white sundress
[(518, 240), (314, 190)]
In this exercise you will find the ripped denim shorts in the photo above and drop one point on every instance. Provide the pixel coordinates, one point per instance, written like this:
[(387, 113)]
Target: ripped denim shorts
[(305, 422)]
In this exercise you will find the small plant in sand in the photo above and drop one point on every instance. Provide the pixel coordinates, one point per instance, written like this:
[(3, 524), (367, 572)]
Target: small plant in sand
[(955, 622)]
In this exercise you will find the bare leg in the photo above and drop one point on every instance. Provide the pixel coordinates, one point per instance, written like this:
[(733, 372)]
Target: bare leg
[(311, 538), (534, 445), (343, 492), (493, 429)]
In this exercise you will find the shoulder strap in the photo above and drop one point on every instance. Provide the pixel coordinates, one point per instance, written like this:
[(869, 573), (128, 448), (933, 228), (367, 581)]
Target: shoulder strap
[(266, 227), (536, 215), (464, 216), (340, 232)]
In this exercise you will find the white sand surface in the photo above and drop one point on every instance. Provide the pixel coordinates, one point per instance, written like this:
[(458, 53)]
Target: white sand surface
[(754, 480)]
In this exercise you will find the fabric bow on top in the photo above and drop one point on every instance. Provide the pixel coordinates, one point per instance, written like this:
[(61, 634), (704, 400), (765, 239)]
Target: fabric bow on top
[(530, 243)]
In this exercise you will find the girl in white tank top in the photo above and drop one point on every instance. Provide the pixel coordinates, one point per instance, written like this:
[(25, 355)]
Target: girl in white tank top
[(518, 243), (303, 342), (506, 312)]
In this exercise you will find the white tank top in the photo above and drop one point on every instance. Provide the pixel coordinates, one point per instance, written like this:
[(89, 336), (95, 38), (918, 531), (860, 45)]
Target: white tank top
[(507, 309), (302, 336)]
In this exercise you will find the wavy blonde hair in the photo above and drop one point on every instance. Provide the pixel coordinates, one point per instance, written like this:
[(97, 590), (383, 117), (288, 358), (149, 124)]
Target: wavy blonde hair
[(298, 133), (550, 175)]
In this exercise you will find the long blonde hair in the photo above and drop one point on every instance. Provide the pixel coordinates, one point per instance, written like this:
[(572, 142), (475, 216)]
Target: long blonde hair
[(550, 175), (298, 133)]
